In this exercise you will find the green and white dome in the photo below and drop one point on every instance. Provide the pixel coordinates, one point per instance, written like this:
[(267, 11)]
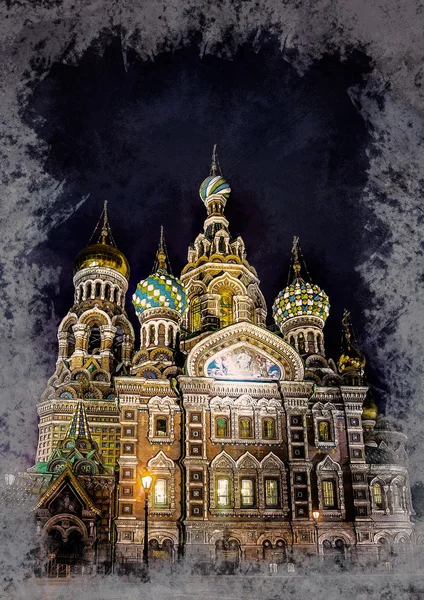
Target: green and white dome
[(300, 299)]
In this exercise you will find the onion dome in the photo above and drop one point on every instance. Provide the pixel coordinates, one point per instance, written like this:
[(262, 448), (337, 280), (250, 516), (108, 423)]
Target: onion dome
[(161, 289), (104, 253), (300, 298), (370, 410), (215, 183), (351, 358)]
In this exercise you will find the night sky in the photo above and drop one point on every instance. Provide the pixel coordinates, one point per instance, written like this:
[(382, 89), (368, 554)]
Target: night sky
[(140, 135)]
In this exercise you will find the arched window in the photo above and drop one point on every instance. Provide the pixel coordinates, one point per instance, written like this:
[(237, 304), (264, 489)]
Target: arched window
[(161, 426), (161, 335), (160, 497), (292, 342), (311, 342), (107, 292), (118, 340), (97, 289), (152, 333), (245, 427), (226, 308), (323, 431), (223, 496), (328, 494), (247, 492), (221, 427), (319, 342), (88, 294), (377, 494), (94, 340), (195, 314), (170, 336), (301, 343), (268, 429)]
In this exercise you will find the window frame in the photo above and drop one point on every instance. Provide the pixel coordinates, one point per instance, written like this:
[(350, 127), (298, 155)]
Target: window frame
[(243, 503), (324, 484), (277, 492), (217, 494), (165, 504), (274, 428), (227, 424), (250, 421)]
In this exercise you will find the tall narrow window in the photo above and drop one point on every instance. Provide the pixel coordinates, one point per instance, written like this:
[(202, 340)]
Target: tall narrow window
[(221, 427), (195, 314), (223, 493), (160, 496), (268, 427), (301, 343), (311, 342), (245, 427), (247, 492), (323, 431), (94, 340), (271, 492), (328, 495), (226, 308), (377, 495)]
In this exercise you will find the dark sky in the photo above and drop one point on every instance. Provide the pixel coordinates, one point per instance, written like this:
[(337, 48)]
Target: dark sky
[(293, 149)]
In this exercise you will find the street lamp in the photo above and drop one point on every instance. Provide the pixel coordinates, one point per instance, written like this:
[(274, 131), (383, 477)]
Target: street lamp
[(146, 482), (315, 514)]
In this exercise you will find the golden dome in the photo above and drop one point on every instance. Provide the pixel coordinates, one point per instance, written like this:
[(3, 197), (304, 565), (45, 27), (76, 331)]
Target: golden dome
[(102, 255), (370, 410)]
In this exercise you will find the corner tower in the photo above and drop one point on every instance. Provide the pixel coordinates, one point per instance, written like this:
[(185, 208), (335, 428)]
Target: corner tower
[(222, 286)]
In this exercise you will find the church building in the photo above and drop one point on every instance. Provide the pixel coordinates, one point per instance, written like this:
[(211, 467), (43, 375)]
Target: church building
[(261, 448)]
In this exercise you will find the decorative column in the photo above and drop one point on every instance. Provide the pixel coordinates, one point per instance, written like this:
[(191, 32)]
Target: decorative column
[(107, 333), (81, 331)]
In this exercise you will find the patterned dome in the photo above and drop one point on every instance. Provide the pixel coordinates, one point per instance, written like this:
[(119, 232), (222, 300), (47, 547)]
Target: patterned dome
[(214, 184), (160, 290), (300, 299)]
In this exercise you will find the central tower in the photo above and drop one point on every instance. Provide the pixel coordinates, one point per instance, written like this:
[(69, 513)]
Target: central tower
[(222, 286)]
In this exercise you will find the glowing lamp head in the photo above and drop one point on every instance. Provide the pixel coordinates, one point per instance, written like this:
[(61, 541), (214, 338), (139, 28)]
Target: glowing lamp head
[(146, 482), (315, 514)]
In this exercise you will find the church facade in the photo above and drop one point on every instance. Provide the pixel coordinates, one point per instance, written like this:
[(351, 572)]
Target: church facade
[(261, 448)]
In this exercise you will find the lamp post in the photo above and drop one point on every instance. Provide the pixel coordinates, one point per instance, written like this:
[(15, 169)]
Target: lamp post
[(146, 482), (315, 515)]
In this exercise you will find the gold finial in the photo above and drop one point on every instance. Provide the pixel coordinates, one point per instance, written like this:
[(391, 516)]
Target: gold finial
[(346, 324), (105, 228), (161, 253), (295, 254), (214, 165)]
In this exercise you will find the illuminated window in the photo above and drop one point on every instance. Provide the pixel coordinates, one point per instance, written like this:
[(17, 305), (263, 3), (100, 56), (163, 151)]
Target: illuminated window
[(301, 343), (247, 493), (271, 492), (223, 492), (323, 431), (226, 308), (269, 429), (377, 495), (245, 428), (161, 426), (195, 314), (221, 427), (328, 496), (160, 493)]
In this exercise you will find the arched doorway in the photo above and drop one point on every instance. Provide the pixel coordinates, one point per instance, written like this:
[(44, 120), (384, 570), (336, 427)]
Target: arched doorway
[(335, 551), (66, 551), (227, 553)]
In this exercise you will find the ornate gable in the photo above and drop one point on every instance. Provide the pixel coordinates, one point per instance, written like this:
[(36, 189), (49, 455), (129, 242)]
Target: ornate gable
[(245, 351)]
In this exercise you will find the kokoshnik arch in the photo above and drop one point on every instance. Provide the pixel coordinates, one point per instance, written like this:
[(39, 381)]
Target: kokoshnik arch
[(245, 429)]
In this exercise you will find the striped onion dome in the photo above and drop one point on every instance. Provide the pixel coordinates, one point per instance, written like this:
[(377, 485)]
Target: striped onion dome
[(214, 184)]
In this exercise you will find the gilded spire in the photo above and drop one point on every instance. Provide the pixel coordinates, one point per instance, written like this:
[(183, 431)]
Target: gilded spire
[(105, 228), (78, 426), (351, 358), (214, 163), (162, 260), (295, 255)]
